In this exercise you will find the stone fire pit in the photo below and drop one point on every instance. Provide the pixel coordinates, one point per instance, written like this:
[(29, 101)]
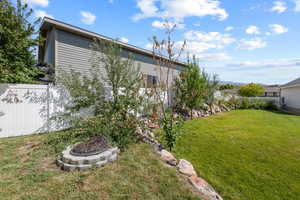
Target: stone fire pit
[(82, 156)]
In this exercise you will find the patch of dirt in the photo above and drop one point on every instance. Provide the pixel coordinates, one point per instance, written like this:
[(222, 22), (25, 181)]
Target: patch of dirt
[(87, 184), (91, 184), (48, 164), (23, 151), (60, 178)]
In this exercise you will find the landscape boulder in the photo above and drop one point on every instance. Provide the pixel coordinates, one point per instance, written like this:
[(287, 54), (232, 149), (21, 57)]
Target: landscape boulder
[(186, 168), (149, 133), (217, 108), (153, 125), (204, 188), (168, 158), (206, 107)]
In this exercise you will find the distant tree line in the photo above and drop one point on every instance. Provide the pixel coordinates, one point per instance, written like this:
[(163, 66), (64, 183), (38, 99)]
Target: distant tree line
[(226, 86)]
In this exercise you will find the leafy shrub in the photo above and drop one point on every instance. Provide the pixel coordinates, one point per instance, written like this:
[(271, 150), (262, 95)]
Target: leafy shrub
[(172, 130), (18, 43), (193, 88), (233, 103), (248, 103), (245, 103), (189, 88), (251, 90), (271, 106), (113, 115)]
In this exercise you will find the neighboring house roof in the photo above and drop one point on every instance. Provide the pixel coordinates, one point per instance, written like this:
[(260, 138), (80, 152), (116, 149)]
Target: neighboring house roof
[(48, 23), (271, 88), (292, 83)]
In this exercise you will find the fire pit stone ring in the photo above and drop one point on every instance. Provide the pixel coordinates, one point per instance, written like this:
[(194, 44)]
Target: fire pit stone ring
[(69, 161)]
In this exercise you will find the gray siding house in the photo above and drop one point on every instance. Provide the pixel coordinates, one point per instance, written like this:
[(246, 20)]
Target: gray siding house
[(290, 96), (68, 47)]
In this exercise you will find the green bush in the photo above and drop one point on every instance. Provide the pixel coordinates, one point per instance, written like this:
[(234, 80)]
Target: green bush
[(190, 88), (271, 106), (172, 131), (251, 90), (248, 103), (115, 115), (18, 42)]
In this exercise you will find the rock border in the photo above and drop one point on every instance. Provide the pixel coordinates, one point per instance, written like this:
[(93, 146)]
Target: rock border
[(184, 167)]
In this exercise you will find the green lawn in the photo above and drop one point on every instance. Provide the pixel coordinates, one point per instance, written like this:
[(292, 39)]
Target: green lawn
[(28, 172), (246, 154)]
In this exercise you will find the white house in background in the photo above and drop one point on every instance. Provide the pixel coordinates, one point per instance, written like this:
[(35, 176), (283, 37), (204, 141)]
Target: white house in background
[(290, 96)]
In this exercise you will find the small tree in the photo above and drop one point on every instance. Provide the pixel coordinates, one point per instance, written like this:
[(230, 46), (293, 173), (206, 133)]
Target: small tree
[(251, 90), (189, 88), (17, 43), (122, 75), (124, 80), (166, 55), (111, 95), (211, 88)]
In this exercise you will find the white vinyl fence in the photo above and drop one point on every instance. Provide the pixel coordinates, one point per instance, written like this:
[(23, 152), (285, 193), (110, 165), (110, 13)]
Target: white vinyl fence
[(275, 100), (221, 96), (25, 109)]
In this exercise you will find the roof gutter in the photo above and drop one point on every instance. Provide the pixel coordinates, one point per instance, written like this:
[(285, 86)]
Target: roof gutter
[(290, 86)]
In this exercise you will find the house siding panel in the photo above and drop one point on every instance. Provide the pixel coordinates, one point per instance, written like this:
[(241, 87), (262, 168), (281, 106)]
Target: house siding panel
[(73, 52), (292, 97), (49, 51)]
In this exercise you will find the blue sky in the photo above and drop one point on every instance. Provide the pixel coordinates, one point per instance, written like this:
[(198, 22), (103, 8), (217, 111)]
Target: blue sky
[(241, 41)]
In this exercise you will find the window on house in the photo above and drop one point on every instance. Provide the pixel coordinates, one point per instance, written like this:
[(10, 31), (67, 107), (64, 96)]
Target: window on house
[(274, 94), (150, 80)]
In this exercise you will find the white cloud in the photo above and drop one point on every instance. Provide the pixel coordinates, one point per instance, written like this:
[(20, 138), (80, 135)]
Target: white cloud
[(268, 33), (257, 72), (42, 3), (252, 44), (124, 40), (87, 17), (197, 48), (297, 6), (214, 38), (191, 47), (42, 14), (179, 9), (270, 63), (197, 42), (111, 1), (229, 28), (252, 30), (161, 25), (279, 7), (213, 57), (278, 29), (194, 47), (257, 6)]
